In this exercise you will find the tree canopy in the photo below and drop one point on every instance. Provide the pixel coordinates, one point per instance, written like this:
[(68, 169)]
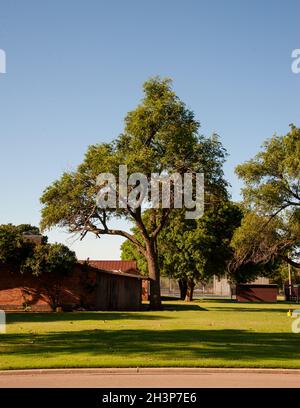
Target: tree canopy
[(13, 247), (271, 227), (50, 258), (199, 249), (25, 256)]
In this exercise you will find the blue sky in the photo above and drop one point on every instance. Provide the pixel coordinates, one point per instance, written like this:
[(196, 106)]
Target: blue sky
[(74, 68)]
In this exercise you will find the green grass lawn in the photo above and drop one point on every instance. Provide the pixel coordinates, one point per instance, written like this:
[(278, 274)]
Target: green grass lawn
[(202, 334)]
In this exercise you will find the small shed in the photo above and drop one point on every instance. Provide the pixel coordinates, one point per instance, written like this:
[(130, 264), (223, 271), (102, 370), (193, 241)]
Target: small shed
[(118, 291), (256, 293), (118, 285)]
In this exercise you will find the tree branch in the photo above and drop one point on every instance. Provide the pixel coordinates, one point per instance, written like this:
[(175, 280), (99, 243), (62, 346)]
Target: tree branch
[(291, 262), (88, 227), (162, 223)]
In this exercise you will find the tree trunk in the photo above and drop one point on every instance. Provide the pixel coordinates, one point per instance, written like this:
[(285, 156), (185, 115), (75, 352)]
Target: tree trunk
[(182, 287), (190, 290), (154, 275)]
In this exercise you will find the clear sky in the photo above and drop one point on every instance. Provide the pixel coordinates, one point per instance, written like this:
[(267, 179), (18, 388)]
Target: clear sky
[(74, 68)]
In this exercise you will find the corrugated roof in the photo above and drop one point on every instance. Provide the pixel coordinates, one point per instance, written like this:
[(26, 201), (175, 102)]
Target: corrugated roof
[(122, 266)]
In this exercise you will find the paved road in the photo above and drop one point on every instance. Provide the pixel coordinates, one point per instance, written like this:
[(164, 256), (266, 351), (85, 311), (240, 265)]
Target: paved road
[(154, 378)]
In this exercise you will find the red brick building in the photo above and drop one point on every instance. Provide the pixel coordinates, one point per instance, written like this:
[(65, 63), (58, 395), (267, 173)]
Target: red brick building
[(92, 285)]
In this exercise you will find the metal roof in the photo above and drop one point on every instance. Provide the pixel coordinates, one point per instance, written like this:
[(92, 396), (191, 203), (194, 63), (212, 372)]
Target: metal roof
[(120, 268)]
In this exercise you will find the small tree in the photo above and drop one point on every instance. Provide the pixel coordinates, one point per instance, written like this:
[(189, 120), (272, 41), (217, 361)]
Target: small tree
[(23, 256), (55, 260), (14, 249)]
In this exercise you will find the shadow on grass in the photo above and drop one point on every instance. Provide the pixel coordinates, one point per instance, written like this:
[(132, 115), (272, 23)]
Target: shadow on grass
[(80, 316), (183, 307), (163, 345), (215, 300), (144, 314), (248, 309)]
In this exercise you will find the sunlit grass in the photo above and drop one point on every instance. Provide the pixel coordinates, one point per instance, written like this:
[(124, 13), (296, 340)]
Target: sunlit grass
[(201, 334)]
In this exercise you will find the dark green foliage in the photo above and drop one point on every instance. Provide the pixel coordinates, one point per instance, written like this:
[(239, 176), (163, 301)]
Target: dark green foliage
[(271, 227), (50, 258), (22, 255), (193, 249), (14, 249)]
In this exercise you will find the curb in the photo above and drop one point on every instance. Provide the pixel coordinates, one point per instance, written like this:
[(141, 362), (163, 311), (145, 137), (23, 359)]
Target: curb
[(148, 371)]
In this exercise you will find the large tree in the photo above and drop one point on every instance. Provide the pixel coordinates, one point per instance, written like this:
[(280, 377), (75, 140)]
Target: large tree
[(270, 230), (160, 136), (22, 255)]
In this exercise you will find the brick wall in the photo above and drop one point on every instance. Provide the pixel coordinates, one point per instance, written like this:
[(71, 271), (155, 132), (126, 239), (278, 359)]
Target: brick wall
[(19, 291), (84, 289)]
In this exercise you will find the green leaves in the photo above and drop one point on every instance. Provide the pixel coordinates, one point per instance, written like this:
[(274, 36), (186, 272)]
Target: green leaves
[(13, 247), (272, 178), (193, 249), (50, 258), (202, 248), (21, 254), (271, 227), (160, 136)]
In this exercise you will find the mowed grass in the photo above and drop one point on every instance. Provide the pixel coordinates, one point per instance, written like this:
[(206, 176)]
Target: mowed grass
[(201, 334)]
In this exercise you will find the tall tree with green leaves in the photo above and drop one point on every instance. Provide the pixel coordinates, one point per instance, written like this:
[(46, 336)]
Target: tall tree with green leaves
[(271, 226), (160, 136)]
